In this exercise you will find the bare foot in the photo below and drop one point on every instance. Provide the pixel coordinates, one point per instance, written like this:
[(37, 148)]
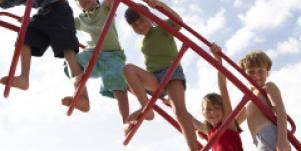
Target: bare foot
[(17, 82), (81, 104), (134, 116), (167, 102), (128, 126)]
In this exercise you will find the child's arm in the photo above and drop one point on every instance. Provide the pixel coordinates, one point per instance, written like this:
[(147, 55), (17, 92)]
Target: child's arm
[(274, 96), (108, 3), (154, 3), (222, 84), (241, 116), (199, 126)]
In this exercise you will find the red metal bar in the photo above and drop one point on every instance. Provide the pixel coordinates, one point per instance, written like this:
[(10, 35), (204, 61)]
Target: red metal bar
[(19, 44), (202, 135), (9, 26), (94, 56), (11, 15), (157, 93), (171, 120), (209, 44), (16, 29), (235, 66), (244, 89), (225, 124), (208, 58), (176, 20)]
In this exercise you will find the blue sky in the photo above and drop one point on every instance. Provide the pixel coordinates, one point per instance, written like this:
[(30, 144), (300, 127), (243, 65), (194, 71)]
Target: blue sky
[(34, 120)]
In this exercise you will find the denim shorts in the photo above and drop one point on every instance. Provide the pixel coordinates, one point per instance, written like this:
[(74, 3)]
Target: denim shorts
[(108, 67), (177, 75), (266, 138)]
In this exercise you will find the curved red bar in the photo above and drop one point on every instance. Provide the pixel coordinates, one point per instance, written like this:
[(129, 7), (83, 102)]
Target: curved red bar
[(11, 15), (211, 60), (234, 65), (9, 26)]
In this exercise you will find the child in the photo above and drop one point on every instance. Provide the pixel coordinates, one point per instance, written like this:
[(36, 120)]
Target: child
[(159, 49), (111, 60), (53, 25), (266, 135), (215, 109)]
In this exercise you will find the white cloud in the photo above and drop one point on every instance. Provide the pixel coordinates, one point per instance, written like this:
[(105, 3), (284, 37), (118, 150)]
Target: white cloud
[(216, 22), (241, 39), (299, 21), (264, 15), (289, 47), (237, 3)]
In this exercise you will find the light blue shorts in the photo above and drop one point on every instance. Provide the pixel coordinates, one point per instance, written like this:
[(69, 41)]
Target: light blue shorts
[(266, 138), (108, 67)]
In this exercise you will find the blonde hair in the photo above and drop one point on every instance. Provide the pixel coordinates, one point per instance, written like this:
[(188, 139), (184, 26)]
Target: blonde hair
[(256, 58)]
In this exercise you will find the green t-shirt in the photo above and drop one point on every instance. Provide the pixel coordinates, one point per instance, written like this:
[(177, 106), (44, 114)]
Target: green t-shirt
[(93, 22), (159, 49)]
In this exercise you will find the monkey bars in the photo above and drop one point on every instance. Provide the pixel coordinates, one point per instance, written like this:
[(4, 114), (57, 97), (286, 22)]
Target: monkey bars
[(187, 43)]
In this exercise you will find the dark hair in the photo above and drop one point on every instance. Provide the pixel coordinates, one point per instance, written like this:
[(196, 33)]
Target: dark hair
[(131, 15)]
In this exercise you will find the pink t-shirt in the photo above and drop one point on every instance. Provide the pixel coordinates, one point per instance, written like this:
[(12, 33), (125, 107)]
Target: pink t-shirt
[(229, 141)]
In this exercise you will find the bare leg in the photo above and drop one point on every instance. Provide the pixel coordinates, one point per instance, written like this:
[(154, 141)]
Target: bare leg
[(176, 92), (139, 80), (22, 81), (82, 103), (123, 105)]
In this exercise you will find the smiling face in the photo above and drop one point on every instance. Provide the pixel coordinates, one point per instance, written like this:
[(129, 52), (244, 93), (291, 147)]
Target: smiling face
[(258, 74), (213, 113), (212, 109), (142, 25), (257, 65), (87, 5)]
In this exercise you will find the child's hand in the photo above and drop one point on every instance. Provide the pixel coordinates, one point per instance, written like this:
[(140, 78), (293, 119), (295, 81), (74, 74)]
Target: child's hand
[(283, 146), (215, 49), (154, 3)]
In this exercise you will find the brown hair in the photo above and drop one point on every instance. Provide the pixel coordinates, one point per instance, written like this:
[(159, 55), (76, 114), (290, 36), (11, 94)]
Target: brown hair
[(256, 58), (214, 99)]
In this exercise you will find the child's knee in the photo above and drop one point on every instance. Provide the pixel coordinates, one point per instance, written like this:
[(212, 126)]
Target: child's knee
[(129, 68)]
